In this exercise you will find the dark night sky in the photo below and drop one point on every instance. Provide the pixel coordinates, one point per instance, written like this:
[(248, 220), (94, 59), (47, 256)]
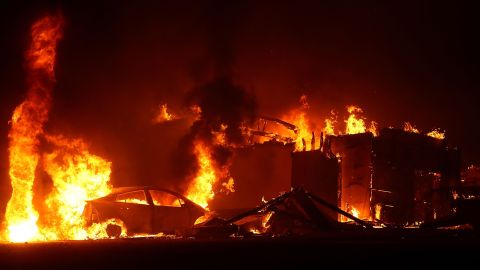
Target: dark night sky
[(407, 61)]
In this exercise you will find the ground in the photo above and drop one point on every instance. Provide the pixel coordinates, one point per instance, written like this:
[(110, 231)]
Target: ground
[(372, 249)]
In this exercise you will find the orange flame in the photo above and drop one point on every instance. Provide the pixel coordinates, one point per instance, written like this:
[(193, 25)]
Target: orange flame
[(77, 176), (229, 186), (373, 128), (354, 124), (204, 185), (408, 127), (378, 211), (197, 111), (329, 128), (265, 226), (351, 210), (27, 125), (354, 212), (303, 134), (303, 138), (219, 136), (163, 115), (200, 190), (42, 54), (437, 134)]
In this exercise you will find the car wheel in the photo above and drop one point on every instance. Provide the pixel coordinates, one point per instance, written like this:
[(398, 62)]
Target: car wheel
[(114, 230)]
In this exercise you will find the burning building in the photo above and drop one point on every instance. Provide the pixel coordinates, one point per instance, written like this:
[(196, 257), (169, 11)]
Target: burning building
[(398, 177)]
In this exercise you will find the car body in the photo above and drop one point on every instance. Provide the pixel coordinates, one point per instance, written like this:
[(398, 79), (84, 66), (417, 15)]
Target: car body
[(147, 209)]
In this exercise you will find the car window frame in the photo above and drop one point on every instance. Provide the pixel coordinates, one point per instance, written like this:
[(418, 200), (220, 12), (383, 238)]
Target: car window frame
[(181, 199), (114, 197)]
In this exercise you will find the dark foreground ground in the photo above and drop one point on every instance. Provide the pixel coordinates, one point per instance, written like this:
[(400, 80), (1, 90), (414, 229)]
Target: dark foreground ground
[(371, 249)]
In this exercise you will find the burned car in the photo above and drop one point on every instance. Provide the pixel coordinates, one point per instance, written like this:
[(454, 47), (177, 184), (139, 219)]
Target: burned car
[(149, 210)]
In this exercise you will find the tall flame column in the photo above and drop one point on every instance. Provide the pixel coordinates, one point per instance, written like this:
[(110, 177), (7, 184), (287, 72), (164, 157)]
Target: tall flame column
[(27, 125)]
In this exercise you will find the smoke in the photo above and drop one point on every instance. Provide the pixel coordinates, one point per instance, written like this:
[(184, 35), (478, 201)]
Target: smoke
[(225, 106), (222, 103)]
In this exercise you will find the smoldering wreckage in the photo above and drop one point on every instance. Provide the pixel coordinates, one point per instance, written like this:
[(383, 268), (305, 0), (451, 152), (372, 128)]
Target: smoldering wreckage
[(357, 179)]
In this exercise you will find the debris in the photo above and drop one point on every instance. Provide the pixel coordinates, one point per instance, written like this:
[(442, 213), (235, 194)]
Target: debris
[(296, 212)]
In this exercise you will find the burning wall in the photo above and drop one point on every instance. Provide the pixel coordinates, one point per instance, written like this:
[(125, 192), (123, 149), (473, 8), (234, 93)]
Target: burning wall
[(355, 152)]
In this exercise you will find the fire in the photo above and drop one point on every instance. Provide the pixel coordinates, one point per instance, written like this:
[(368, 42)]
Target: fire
[(266, 218), (229, 186), (27, 125), (408, 127), (354, 212), (437, 133), (351, 210), (204, 218), (197, 111), (373, 128), (330, 124), (265, 226), (354, 124), (378, 211), (200, 190), (304, 136), (163, 115), (99, 230), (219, 136), (42, 53), (77, 176)]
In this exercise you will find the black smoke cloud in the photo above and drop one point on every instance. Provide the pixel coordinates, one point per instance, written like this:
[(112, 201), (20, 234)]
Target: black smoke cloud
[(222, 102)]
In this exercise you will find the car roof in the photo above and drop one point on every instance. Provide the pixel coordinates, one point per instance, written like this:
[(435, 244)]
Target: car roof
[(119, 190)]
